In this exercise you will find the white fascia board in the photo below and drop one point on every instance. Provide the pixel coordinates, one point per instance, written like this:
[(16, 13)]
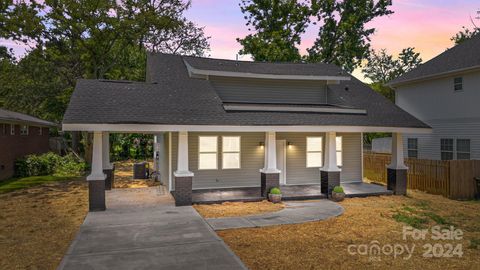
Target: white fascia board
[(202, 73), (147, 128)]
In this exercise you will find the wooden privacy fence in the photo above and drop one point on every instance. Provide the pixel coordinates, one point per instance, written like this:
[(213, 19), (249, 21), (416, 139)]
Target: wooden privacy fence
[(452, 178)]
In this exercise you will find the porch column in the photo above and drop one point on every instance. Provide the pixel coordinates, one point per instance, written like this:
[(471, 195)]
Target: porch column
[(96, 179), (107, 166), (330, 173), (397, 171), (183, 177), (269, 175)]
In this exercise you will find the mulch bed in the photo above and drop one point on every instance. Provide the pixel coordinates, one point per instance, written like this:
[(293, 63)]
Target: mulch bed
[(232, 209)]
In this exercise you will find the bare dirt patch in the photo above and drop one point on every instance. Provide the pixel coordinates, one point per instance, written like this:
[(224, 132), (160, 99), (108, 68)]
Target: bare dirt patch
[(124, 176), (324, 244), (38, 224), (235, 209)]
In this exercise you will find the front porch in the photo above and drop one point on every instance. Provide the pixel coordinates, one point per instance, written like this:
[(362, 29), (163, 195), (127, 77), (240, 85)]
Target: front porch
[(290, 192)]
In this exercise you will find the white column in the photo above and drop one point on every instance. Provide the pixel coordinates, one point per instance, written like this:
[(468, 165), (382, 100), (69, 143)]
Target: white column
[(106, 151), (97, 160), (182, 158), (330, 163), (270, 153), (397, 153)]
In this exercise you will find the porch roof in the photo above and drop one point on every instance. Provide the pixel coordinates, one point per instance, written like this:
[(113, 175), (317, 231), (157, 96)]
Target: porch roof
[(171, 97)]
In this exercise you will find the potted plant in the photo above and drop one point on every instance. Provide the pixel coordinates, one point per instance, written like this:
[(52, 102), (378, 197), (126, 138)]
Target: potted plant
[(275, 195), (338, 194)]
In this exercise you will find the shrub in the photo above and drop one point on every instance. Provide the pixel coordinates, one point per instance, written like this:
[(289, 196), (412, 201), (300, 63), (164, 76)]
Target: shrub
[(49, 164), (275, 191), (338, 189)]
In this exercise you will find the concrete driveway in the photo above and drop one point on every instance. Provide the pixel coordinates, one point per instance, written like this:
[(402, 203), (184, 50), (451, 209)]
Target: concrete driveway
[(142, 229)]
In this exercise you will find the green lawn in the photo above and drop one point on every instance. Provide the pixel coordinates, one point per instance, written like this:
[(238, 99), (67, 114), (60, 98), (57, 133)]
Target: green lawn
[(19, 183)]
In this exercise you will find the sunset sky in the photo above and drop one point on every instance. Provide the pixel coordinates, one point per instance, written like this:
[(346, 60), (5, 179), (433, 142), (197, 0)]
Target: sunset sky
[(426, 25)]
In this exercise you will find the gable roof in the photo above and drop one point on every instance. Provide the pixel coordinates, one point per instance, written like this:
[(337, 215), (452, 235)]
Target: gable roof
[(464, 56), (171, 97), (10, 116)]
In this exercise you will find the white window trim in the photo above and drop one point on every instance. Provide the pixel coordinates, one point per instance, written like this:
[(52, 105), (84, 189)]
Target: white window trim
[(26, 132), (231, 152), (339, 161), (40, 131), (216, 153), (12, 129), (307, 152)]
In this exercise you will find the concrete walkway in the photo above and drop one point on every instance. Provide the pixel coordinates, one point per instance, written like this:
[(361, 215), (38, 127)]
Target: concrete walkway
[(294, 212), (142, 229)]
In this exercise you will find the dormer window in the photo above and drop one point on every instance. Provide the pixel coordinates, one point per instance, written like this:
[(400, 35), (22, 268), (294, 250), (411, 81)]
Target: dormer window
[(458, 83)]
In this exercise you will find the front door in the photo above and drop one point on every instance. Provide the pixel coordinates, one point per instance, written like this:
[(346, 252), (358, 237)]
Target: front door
[(281, 161)]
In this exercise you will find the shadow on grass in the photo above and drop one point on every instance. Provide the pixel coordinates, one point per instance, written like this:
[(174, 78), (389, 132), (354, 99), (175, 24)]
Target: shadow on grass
[(25, 182)]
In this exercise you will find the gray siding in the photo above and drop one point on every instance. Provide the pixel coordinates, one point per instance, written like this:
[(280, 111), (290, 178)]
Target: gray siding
[(252, 159), (269, 91), (429, 144)]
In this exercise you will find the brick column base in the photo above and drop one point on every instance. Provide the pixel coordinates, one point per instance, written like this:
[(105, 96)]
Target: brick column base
[(268, 181), (96, 195), (397, 181), (109, 179), (183, 191), (329, 180)]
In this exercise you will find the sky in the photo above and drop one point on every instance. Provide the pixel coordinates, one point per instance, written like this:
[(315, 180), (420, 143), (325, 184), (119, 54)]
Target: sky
[(426, 25)]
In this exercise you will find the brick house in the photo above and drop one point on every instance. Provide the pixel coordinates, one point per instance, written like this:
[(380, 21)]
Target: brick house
[(20, 135)]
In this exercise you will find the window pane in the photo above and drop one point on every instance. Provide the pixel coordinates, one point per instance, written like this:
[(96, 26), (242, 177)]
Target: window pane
[(463, 145), (412, 153), (207, 161), (314, 159), (339, 159), (208, 144), (231, 144), (314, 144), (447, 155), (231, 160), (412, 143), (339, 143), (463, 155), (446, 145), (458, 80)]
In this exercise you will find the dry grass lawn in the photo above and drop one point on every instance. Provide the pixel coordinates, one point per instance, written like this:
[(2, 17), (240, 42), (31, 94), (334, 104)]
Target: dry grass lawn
[(323, 245), (124, 176), (38, 224), (233, 209)]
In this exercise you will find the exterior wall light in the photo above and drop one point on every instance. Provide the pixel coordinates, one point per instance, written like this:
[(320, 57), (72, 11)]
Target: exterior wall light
[(289, 144), (261, 144)]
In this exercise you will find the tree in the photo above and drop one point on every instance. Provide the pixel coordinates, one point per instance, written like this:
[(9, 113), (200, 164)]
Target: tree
[(382, 68), (277, 27), (343, 38), (465, 34)]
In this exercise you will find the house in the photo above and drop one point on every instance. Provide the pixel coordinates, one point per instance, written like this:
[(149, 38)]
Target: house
[(223, 124), (444, 93), (20, 135)]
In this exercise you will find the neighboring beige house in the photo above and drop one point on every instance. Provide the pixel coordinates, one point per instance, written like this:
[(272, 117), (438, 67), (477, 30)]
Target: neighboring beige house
[(444, 93), (225, 125)]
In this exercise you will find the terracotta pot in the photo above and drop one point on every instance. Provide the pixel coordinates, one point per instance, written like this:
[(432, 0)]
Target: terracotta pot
[(275, 198), (338, 197)]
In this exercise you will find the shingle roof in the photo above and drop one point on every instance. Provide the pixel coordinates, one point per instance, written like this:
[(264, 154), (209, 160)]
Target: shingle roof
[(176, 99), (10, 116), (318, 69), (463, 56)]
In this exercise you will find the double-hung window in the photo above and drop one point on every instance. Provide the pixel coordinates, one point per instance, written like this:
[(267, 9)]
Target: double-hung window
[(458, 83), (231, 152), (446, 149), (412, 147), (314, 152), (463, 148), (339, 149), (24, 130), (207, 157)]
